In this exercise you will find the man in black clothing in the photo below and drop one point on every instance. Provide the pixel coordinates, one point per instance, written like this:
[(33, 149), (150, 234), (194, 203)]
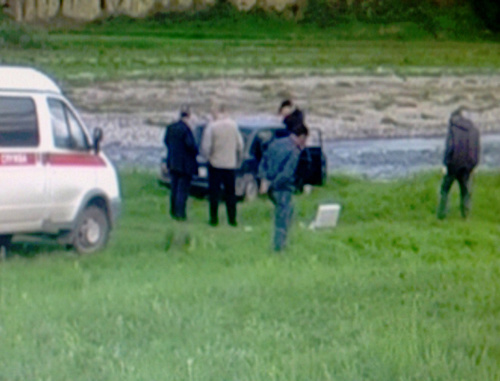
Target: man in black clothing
[(460, 158), (181, 163), (292, 116)]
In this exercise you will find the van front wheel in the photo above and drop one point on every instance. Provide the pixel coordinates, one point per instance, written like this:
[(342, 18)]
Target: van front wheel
[(92, 231)]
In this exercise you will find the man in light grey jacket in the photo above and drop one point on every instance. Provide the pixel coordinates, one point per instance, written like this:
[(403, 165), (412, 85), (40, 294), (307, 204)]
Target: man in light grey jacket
[(222, 146)]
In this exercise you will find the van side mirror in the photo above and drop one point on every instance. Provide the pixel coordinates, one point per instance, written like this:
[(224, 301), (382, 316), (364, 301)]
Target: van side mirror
[(97, 139)]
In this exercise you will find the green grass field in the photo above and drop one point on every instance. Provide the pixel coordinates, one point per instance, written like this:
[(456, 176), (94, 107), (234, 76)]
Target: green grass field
[(390, 294), (244, 47)]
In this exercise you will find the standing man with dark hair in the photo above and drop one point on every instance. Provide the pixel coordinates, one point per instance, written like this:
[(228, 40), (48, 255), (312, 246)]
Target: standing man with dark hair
[(181, 163), (278, 169), (460, 158), (222, 146), (292, 116)]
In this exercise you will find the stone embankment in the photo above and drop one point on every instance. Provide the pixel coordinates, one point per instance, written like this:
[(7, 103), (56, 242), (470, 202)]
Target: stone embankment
[(341, 106)]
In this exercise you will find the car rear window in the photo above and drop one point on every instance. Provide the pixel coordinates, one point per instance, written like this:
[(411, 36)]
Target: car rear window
[(18, 123)]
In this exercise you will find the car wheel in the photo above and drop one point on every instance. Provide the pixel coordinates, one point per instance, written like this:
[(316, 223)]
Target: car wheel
[(92, 231), (251, 189)]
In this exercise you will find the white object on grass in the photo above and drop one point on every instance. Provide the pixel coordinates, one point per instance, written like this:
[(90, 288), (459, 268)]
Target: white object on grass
[(326, 217)]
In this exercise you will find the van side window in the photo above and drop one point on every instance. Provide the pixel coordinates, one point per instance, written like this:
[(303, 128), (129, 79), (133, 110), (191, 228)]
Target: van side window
[(18, 122), (67, 131)]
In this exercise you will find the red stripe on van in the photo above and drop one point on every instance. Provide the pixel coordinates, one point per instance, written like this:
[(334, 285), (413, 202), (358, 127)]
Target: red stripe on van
[(76, 160), (17, 159)]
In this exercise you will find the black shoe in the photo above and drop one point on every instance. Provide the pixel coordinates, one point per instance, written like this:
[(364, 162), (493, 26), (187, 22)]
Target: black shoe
[(234, 224), (213, 223)]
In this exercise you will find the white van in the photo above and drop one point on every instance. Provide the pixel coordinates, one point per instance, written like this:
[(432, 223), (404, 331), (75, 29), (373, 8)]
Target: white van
[(54, 180)]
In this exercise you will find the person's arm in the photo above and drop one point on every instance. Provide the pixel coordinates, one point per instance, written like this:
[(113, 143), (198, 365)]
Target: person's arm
[(166, 136), (475, 149), (190, 142), (206, 142), (263, 166), (239, 146), (448, 152)]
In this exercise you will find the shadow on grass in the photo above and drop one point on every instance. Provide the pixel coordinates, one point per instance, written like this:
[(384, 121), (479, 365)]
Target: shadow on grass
[(34, 247)]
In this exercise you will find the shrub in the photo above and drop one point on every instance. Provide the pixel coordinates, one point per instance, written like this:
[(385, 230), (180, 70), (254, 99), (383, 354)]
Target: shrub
[(489, 12), (16, 34)]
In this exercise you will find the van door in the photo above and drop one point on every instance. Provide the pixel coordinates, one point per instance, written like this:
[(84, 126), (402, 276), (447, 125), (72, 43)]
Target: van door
[(312, 163), (23, 192), (71, 166)]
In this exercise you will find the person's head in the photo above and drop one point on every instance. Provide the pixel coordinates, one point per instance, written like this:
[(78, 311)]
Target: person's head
[(457, 113), (299, 135), (286, 108), (185, 113), (218, 109), (460, 114)]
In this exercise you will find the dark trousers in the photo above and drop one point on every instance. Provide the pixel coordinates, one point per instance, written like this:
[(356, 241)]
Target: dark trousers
[(226, 178), (283, 212), (179, 194), (462, 176)]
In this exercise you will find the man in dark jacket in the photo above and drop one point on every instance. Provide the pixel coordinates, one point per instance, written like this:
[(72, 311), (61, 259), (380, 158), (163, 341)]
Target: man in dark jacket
[(292, 116), (181, 163), (460, 158), (278, 169)]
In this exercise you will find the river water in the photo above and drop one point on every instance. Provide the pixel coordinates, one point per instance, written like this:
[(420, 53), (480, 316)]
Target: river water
[(370, 158), (394, 158)]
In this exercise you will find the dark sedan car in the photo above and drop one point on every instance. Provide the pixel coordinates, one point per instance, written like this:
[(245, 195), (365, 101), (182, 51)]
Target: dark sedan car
[(257, 135)]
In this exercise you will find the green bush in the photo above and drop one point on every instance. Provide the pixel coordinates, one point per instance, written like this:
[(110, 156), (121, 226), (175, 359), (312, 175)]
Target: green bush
[(489, 12), (456, 21), (326, 13), (16, 34)]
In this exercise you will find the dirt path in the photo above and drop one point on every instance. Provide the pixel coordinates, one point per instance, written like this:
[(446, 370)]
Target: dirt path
[(342, 106)]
